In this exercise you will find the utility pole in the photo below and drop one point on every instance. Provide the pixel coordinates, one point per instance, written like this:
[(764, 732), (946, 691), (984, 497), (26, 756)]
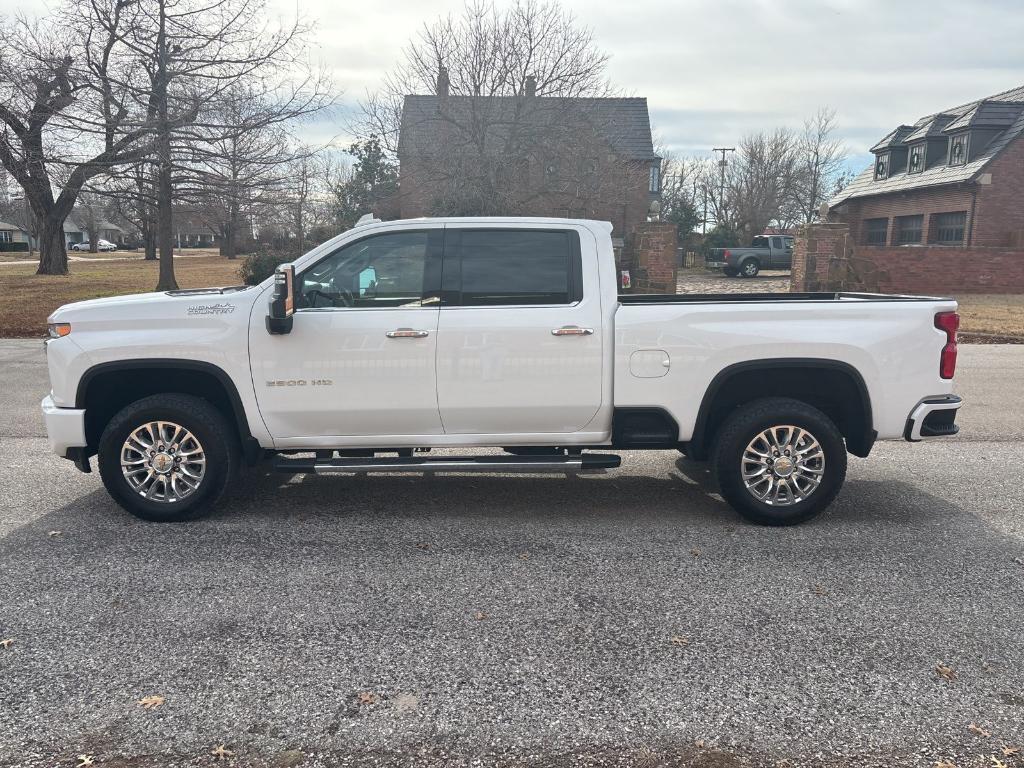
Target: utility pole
[(721, 178)]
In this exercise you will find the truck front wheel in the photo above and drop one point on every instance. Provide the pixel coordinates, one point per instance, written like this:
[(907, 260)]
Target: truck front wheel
[(779, 461), (167, 457)]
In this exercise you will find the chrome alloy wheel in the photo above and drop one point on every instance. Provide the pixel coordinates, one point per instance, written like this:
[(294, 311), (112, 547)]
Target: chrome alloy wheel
[(162, 461), (783, 465)]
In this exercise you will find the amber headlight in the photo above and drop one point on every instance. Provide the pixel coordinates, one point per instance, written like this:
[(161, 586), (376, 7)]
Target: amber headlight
[(59, 329)]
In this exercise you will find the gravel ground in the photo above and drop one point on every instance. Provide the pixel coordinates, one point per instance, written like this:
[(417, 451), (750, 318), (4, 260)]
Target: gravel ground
[(503, 620)]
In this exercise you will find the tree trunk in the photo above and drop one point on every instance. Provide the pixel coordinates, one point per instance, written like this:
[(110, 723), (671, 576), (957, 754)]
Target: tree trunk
[(230, 233), (164, 190), (149, 243), (53, 255)]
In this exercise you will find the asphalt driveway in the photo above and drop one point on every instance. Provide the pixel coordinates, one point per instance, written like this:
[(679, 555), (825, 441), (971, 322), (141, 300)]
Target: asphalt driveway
[(628, 619)]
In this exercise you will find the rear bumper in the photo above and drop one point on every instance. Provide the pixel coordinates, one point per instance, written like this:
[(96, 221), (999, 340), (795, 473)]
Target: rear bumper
[(65, 427), (716, 264), (933, 417)]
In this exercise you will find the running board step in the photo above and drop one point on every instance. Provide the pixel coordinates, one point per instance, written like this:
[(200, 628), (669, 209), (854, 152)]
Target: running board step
[(589, 462)]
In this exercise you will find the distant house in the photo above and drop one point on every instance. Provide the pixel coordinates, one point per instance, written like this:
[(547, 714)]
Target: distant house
[(75, 231), (13, 237), (527, 155), (953, 178), (192, 231)]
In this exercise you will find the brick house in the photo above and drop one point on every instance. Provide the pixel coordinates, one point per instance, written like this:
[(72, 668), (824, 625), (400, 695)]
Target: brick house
[(527, 155), (953, 178)]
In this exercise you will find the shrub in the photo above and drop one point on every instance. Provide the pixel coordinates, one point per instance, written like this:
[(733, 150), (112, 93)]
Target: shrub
[(13, 247), (258, 266)]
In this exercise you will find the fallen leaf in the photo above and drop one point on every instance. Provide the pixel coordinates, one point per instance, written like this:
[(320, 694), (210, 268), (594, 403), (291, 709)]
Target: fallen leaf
[(366, 697), (819, 590), (945, 764), (7, 643), (945, 672), (1010, 751), (695, 552), (84, 760), (55, 533), (423, 545), (151, 702), (975, 728), (221, 752), (997, 763), (480, 615), (524, 555), (679, 640)]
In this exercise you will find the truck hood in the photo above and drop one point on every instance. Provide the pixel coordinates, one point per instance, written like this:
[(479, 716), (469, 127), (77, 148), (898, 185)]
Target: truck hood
[(203, 302)]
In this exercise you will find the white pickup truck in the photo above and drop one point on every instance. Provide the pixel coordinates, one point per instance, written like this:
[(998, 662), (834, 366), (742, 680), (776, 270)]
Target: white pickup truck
[(399, 337)]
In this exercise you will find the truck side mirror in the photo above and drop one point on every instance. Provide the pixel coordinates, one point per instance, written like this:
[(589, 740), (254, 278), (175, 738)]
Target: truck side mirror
[(282, 303)]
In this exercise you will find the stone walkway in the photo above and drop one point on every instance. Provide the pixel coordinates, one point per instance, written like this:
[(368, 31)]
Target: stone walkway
[(706, 281)]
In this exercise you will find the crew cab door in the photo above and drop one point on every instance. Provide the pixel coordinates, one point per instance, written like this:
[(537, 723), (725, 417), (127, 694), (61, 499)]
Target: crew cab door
[(519, 342), (782, 253), (360, 358)]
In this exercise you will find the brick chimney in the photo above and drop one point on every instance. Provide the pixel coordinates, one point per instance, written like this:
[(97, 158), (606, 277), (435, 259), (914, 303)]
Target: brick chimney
[(530, 89), (443, 84)]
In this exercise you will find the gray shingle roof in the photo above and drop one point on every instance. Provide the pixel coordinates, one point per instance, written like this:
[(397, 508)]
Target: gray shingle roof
[(1005, 109), (623, 122)]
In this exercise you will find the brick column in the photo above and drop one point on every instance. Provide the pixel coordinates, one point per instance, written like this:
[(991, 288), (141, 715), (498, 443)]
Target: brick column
[(821, 258), (650, 257)]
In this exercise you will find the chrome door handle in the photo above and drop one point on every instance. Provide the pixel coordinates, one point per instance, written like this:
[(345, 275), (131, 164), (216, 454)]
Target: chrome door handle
[(572, 330), (407, 333)]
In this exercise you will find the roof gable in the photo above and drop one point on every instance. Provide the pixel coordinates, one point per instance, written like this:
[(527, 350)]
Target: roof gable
[(623, 122), (1003, 111)]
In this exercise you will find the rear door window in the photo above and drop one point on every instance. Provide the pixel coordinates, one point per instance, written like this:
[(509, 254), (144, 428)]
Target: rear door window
[(508, 267)]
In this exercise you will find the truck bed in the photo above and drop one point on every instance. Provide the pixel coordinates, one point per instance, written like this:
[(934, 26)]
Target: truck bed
[(750, 298)]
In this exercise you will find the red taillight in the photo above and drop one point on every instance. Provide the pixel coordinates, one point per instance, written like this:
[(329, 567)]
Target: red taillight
[(726, 254), (948, 322)]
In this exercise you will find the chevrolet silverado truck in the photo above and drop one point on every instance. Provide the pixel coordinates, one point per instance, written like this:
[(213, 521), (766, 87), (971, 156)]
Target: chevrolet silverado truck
[(398, 338), (765, 252)]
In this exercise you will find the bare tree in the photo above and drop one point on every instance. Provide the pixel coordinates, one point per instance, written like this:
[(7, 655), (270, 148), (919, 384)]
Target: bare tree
[(761, 182), (64, 122), (490, 51), (820, 164)]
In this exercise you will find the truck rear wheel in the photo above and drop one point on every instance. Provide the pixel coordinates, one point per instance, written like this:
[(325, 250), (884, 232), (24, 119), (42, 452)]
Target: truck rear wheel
[(729, 271), (779, 461), (750, 268), (167, 457)]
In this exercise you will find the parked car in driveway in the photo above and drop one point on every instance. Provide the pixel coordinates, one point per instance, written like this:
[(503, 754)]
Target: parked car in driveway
[(102, 245), (399, 337), (765, 252)]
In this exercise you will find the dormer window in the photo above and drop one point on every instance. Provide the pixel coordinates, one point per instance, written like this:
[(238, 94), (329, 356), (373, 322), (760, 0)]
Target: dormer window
[(915, 163), (882, 167), (958, 149)]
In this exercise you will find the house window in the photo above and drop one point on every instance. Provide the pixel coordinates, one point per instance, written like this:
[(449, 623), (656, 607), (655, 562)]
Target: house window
[(949, 228), (916, 162), (876, 231), (908, 229), (882, 167), (5, 235), (958, 149), (654, 184)]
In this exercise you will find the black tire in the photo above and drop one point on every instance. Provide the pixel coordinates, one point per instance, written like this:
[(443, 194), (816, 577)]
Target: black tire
[(729, 271), (750, 268), (217, 438), (743, 426)]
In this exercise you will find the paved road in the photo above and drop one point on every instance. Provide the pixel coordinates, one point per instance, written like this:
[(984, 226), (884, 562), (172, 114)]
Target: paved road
[(516, 621)]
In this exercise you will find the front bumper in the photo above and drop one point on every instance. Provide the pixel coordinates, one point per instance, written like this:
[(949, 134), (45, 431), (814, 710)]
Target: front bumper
[(65, 427), (933, 417)]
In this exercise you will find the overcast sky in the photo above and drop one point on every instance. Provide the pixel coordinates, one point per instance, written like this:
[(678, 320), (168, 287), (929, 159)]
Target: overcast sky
[(712, 71)]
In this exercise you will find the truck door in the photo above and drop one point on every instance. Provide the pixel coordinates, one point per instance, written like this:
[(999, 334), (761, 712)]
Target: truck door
[(519, 342), (360, 359)]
